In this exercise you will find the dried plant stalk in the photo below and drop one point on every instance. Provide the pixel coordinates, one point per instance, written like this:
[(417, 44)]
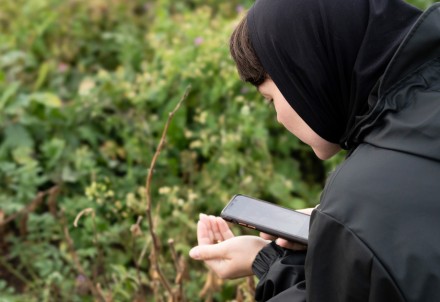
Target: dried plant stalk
[(29, 208), (155, 252), (95, 291), (179, 266)]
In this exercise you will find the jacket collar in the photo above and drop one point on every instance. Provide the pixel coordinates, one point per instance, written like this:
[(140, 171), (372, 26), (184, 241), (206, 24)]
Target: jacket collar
[(421, 44)]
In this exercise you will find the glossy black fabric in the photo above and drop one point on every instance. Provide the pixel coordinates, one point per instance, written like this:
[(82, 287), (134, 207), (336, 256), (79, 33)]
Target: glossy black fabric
[(374, 236), (280, 269), (325, 56)]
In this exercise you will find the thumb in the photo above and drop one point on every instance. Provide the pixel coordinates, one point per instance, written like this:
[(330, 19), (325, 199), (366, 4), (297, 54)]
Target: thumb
[(207, 252)]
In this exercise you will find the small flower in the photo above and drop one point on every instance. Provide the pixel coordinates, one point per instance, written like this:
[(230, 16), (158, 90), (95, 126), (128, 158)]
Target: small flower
[(81, 287), (245, 110), (86, 87), (188, 133), (81, 278), (195, 144), (62, 67), (164, 190), (198, 41), (191, 196), (202, 117)]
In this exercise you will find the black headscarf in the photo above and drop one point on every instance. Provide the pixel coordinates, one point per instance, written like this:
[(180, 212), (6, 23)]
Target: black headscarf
[(325, 56)]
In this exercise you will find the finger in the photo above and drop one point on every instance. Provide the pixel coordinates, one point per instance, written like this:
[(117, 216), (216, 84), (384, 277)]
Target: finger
[(267, 236), (215, 229), (207, 252), (291, 245), (224, 229), (203, 233), (307, 211), (205, 219)]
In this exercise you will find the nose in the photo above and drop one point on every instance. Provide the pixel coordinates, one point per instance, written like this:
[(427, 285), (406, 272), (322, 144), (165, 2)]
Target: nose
[(279, 120)]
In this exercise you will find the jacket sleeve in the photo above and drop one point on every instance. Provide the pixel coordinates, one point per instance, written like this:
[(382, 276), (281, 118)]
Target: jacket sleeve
[(281, 274)]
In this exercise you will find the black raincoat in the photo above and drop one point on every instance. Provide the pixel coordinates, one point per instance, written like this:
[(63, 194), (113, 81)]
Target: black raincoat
[(376, 233)]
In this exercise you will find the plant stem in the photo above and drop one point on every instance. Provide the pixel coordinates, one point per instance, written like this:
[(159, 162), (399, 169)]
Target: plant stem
[(156, 245), (14, 272)]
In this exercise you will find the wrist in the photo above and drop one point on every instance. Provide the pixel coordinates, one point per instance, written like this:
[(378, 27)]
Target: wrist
[(251, 251)]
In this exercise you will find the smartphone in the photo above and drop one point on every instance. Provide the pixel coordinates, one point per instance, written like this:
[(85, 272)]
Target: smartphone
[(268, 218)]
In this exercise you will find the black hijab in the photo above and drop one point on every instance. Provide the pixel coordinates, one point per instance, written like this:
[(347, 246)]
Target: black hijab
[(325, 56)]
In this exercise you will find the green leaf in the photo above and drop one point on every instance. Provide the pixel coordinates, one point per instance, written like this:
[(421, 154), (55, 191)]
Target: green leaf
[(17, 136), (53, 150), (12, 58), (68, 175), (47, 99), (22, 155), (8, 93), (42, 75)]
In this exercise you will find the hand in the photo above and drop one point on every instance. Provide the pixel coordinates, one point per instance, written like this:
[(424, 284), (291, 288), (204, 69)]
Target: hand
[(228, 256), (285, 243)]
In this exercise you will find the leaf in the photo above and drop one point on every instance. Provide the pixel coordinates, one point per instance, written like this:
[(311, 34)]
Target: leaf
[(12, 58), (68, 175), (22, 155), (8, 93), (47, 99), (17, 136), (53, 150), (18, 106), (42, 27), (9, 206), (42, 75)]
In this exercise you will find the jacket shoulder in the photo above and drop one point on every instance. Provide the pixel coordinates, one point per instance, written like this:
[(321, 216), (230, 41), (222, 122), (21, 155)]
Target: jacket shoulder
[(341, 267), (379, 213), (421, 44)]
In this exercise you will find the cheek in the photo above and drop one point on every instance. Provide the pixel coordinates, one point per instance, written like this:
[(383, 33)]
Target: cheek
[(287, 117)]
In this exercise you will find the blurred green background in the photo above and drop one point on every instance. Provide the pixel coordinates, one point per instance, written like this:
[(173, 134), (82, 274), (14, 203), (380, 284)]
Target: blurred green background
[(85, 91)]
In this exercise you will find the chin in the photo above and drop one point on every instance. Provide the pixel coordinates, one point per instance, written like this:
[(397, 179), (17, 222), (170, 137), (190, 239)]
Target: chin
[(323, 156), (327, 154)]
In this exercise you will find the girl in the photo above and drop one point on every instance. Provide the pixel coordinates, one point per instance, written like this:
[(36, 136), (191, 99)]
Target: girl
[(362, 75)]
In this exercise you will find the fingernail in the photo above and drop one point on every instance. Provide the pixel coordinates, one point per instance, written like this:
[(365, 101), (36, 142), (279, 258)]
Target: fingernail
[(202, 215), (194, 253)]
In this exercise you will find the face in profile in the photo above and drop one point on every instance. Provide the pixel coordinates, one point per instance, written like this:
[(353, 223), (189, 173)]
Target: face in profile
[(288, 117)]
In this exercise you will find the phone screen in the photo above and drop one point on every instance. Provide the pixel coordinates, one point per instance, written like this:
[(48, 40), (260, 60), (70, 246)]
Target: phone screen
[(269, 218)]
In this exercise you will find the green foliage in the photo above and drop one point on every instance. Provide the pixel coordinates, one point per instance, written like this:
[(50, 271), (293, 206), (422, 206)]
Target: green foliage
[(85, 91)]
